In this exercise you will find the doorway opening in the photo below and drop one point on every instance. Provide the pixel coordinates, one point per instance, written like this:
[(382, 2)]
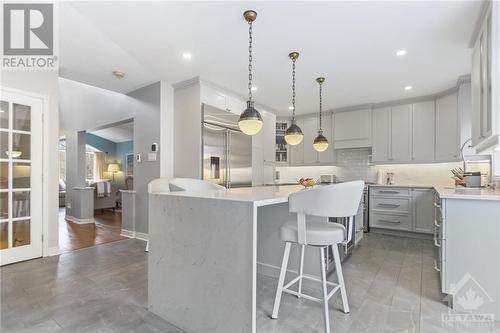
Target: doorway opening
[(108, 167)]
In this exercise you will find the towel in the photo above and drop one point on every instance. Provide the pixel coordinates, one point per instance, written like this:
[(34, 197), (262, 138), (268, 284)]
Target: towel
[(103, 188)]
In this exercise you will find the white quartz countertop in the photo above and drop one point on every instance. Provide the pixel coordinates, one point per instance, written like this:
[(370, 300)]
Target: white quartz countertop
[(259, 195), (452, 192)]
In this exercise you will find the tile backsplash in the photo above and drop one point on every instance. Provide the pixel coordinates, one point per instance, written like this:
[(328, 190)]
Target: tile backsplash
[(353, 164)]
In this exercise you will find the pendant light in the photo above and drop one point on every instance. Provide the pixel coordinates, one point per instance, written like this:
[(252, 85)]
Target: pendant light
[(250, 121), (293, 134), (320, 142)]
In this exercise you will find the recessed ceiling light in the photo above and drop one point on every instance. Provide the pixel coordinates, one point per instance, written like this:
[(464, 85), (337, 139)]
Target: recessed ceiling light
[(408, 88), (187, 55), (400, 53), (119, 74), (254, 88), (290, 107)]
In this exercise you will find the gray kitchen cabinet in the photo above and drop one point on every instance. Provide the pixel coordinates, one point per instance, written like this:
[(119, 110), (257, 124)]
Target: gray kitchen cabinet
[(402, 208), (423, 131), (484, 80), (423, 209), (447, 128), (401, 140), (381, 134), (353, 129)]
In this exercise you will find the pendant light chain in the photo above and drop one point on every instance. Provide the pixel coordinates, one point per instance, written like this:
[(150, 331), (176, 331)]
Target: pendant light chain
[(250, 76), (320, 103), (293, 89)]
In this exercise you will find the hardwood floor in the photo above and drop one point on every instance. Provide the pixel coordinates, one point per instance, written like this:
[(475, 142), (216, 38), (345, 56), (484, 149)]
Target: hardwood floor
[(73, 236)]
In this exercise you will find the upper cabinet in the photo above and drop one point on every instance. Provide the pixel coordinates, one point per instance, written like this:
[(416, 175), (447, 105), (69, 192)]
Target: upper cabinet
[(485, 76), (353, 129), (422, 132), (381, 135), (423, 148), (304, 153), (401, 133), (447, 128)]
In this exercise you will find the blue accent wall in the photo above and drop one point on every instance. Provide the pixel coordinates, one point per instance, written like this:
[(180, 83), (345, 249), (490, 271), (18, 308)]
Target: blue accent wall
[(115, 153)]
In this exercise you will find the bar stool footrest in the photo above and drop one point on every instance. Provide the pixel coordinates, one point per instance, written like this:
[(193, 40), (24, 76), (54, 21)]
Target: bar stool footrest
[(336, 287)]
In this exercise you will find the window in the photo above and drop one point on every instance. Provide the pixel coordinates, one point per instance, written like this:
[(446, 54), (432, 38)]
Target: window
[(90, 167), (62, 160)]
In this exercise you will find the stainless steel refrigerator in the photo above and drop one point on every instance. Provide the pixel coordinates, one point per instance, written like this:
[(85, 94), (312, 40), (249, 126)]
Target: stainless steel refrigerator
[(227, 152)]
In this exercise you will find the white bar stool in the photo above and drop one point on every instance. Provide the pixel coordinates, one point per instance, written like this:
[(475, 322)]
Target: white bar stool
[(339, 200)]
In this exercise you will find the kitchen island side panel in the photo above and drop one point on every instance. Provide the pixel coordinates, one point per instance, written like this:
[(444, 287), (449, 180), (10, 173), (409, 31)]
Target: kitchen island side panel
[(200, 263)]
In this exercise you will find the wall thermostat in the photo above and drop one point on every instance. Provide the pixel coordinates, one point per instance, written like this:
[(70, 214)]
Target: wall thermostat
[(154, 147)]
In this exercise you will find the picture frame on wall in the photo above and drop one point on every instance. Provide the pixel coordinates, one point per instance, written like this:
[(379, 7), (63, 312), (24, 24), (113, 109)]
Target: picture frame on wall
[(130, 165)]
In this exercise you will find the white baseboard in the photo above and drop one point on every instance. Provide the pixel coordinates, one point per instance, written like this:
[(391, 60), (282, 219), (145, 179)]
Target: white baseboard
[(79, 221), (142, 236), (127, 233), (134, 234), (52, 251)]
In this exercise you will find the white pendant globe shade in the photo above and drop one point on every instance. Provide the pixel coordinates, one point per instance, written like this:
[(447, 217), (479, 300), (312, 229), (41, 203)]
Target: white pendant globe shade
[(250, 126), (320, 146), (320, 143), (294, 139), (250, 121), (293, 134)]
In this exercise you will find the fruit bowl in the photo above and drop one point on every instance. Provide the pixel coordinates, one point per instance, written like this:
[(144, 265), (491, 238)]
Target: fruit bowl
[(307, 182)]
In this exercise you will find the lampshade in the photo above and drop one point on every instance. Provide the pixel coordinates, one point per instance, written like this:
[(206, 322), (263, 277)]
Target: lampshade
[(320, 143), (293, 134), (113, 167), (250, 121)]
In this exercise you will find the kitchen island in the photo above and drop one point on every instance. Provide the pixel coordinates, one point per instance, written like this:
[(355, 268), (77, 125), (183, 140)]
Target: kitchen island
[(206, 249)]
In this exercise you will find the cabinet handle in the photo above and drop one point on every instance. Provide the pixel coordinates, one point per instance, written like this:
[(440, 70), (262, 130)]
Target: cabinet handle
[(436, 266), (437, 206), (436, 224), (389, 205), (436, 243), (389, 221), (389, 192)]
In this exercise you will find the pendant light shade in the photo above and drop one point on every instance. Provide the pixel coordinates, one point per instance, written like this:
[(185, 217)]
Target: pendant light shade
[(293, 134), (250, 121), (320, 143)]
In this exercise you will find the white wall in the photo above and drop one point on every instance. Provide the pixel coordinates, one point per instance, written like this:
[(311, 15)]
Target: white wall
[(46, 83), (84, 107), (166, 130)]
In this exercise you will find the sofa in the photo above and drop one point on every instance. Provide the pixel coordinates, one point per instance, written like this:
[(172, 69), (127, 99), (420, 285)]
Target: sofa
[(106, 201)]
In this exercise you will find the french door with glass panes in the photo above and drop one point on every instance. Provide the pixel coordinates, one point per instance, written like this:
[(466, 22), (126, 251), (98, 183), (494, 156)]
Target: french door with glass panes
[(20, 177)]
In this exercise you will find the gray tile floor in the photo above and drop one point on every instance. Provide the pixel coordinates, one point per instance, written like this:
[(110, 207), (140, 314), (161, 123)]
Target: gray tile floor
[(391, 284)]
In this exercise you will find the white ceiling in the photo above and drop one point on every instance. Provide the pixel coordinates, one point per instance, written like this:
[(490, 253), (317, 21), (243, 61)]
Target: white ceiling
[(119, 133), (352, 44)]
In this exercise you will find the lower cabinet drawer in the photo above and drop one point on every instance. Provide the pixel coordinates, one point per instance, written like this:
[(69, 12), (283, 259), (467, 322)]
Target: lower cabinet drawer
[(398, 222), (397, 205)]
